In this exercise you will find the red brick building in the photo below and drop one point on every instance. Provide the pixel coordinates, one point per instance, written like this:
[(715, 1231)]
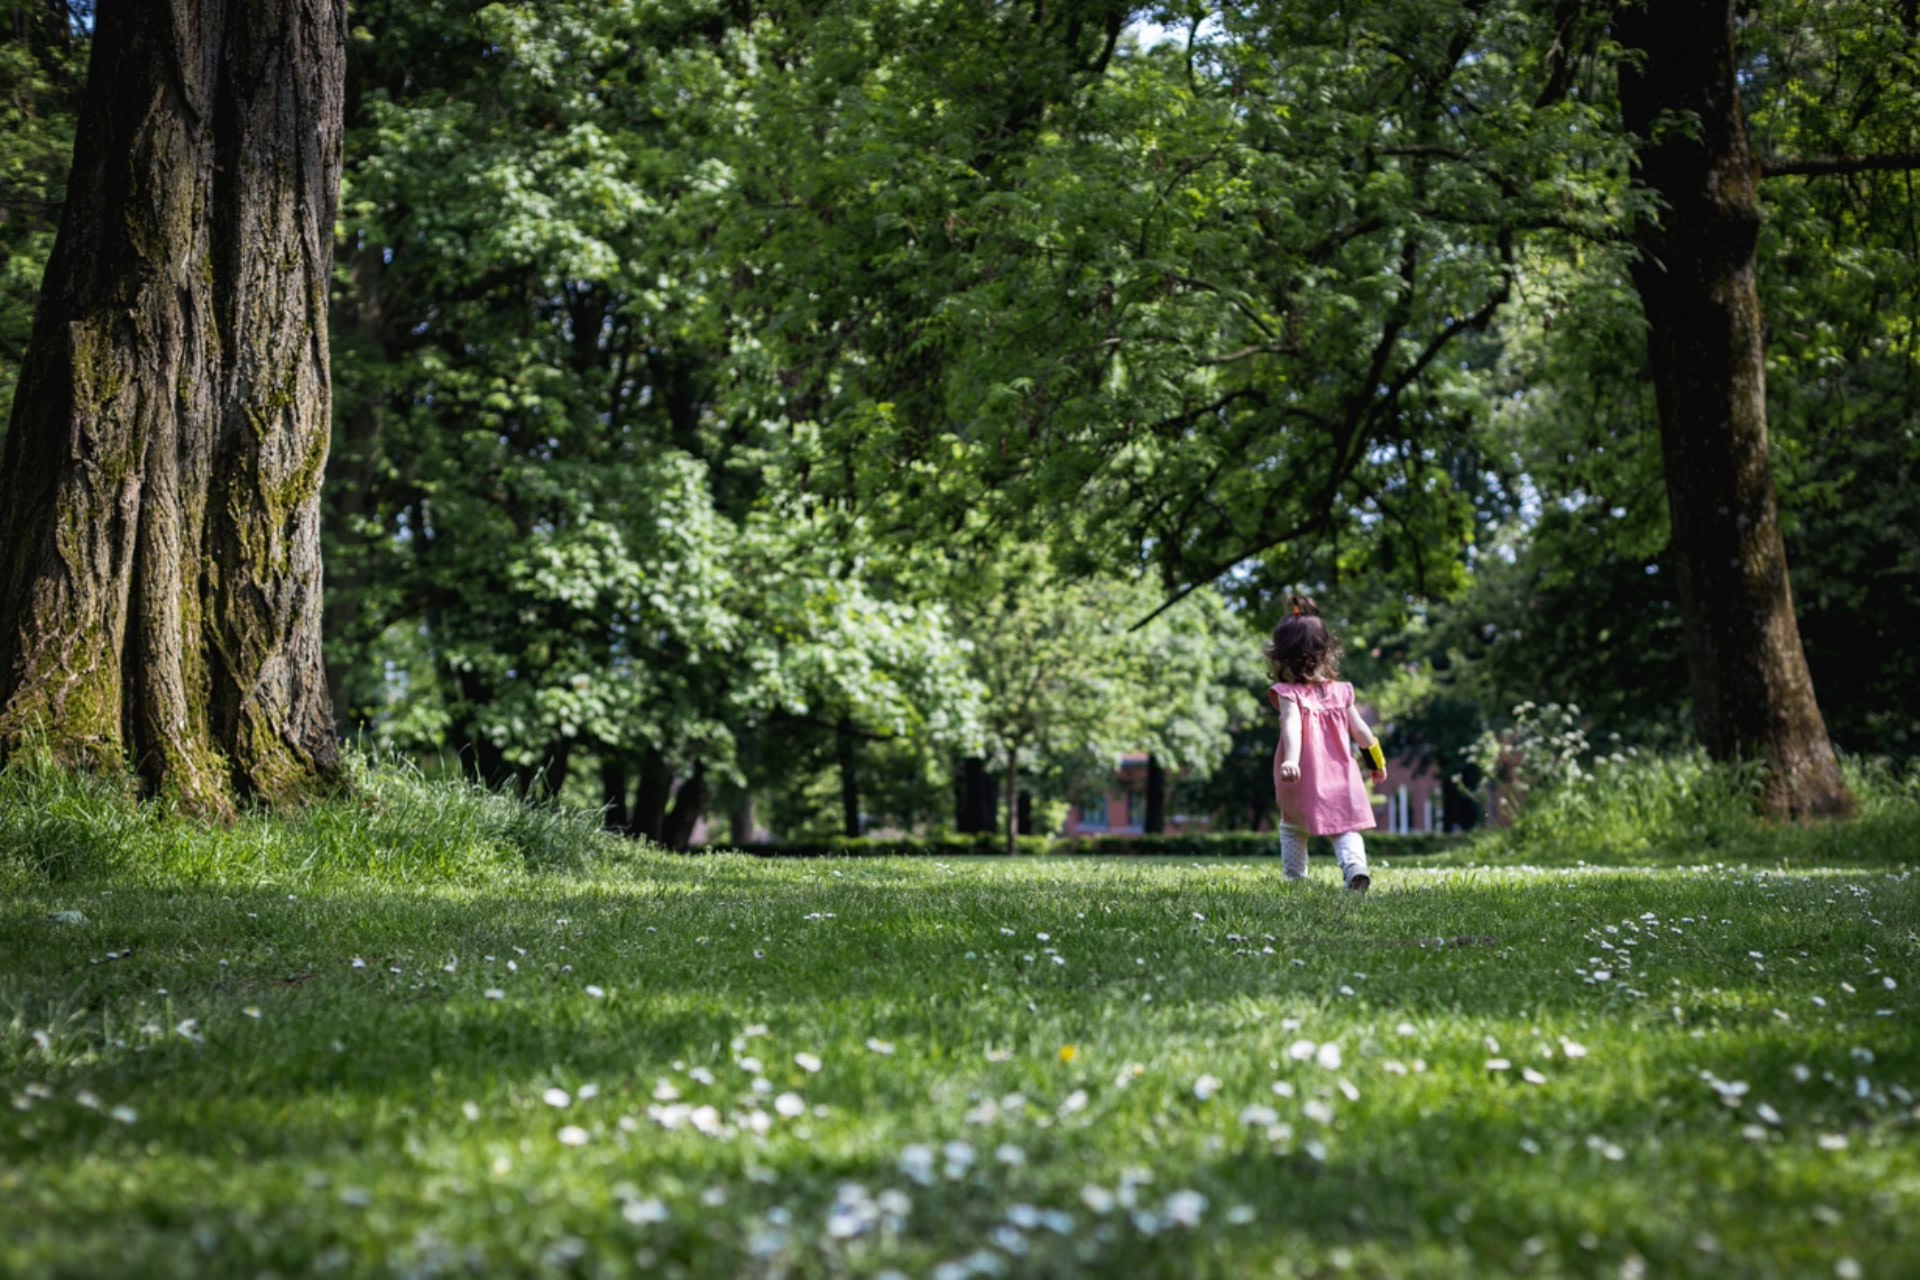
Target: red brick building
[(1409, 801)]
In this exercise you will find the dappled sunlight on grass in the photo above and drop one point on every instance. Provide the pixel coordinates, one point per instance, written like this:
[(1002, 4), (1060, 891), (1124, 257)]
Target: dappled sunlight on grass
[(736, 1067)]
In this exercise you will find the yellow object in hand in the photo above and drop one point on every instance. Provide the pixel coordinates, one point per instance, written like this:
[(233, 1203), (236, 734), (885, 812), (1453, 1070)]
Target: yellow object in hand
[(1377, 756)]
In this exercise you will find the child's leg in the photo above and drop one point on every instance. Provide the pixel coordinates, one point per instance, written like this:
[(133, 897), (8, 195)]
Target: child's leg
[(1293, 852), (1350, 851)]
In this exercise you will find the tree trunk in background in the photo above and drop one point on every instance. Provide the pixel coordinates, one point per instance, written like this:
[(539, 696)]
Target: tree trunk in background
[(849, 753), (546, 781), (613, 794), (740, 820), (1013, 801), (1459, 811), (1026, 813), (978, 802), (1752, 695), (1156, 822), (160, 486), (650, 799), (481, 759), (688, 804)]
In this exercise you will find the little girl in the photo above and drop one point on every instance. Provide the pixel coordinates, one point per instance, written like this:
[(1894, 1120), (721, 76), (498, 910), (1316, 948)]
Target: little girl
[(1315, 778)]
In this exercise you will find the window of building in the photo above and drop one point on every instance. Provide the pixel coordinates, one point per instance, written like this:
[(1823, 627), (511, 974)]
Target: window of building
[(1093, 813)]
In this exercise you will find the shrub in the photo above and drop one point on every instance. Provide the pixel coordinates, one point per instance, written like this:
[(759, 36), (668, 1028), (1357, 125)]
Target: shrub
[(1636, 806), (1231, 844)]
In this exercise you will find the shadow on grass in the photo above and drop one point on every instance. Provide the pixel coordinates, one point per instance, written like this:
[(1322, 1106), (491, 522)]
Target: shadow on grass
[(361, 1073), (684, 963)]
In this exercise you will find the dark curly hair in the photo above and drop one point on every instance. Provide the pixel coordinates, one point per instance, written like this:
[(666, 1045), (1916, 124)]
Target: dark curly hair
[(1302, 650)]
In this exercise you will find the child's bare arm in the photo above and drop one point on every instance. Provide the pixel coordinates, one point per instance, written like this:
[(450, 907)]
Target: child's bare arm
[(1362, 734), (1289, 740)]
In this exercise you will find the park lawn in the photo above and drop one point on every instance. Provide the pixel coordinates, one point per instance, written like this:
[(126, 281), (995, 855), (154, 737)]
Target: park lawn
[(722, 1067)]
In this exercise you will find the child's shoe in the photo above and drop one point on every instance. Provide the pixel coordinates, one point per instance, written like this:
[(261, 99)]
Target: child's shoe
[(1360, 883)]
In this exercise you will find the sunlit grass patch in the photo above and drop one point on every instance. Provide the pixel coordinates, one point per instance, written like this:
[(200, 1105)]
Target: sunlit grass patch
[(723, 1067), (1679, 807), (390, 826)]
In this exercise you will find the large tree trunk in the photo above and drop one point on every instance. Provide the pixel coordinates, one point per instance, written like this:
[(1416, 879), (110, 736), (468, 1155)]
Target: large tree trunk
[(159, 490), (1752, 695)]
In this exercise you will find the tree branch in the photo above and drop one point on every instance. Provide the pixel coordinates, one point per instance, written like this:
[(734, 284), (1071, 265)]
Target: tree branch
[(1239, 303), (816, 722), (1244, 353), (1312, 524), (1825, 166)]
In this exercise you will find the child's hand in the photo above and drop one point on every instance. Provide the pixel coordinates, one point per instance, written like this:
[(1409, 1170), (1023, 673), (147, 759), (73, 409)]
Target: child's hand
[(1378, 776), (1289, 772)]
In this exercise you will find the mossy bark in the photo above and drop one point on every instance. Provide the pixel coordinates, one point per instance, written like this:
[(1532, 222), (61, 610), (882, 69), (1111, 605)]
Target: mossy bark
[(1752, 695), (159, 490)]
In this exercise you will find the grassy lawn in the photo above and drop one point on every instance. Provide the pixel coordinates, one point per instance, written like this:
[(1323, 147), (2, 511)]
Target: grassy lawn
[(718, 1067)]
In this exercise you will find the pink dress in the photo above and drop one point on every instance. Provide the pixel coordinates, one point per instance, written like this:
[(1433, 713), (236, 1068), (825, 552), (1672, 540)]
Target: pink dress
[(1330, 797)]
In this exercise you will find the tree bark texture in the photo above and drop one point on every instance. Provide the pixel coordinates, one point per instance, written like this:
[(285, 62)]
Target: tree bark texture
[(1752, 694), (160, 581)]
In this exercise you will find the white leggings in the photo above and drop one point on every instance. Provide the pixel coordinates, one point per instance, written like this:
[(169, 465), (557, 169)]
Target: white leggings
[(1349, 850)]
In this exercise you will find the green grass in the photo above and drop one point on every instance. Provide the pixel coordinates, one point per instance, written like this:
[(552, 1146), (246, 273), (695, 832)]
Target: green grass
[(392, 828), (1650, 809), (274, 1063)]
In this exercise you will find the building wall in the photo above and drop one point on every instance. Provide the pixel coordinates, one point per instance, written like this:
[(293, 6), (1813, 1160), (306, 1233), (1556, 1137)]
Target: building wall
[(1409, 800), (1123, 810)]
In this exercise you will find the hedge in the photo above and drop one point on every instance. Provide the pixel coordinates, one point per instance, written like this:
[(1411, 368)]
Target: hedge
[(1229, 844)]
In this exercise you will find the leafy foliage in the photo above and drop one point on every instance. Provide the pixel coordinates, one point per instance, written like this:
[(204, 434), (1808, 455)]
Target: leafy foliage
[(43, 48), (567, 535), (762, 393)]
